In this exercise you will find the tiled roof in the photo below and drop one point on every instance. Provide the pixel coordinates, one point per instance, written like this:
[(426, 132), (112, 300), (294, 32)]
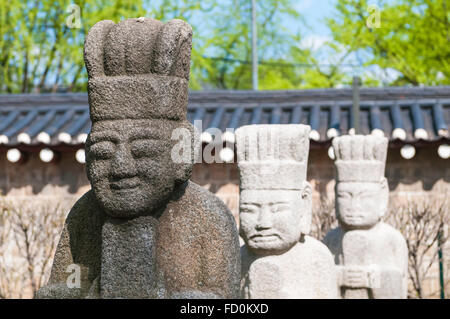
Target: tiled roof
[(406, 115)]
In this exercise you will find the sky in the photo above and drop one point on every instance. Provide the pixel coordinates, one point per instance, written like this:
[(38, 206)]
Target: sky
[(315, 12), (317, 33)]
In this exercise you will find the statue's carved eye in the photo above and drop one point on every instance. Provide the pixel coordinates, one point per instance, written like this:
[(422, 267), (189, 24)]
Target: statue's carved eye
[(146, 148), (102, 150), (367, 195), (248, 209), (280, 208), (344, 195)]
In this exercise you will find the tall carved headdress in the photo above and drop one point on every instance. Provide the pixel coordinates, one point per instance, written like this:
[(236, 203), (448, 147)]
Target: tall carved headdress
[(272, 156), (138, 69), (360, 158)]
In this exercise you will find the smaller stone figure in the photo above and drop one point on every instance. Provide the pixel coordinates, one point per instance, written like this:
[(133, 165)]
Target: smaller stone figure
[(279, 260), (372, 256)]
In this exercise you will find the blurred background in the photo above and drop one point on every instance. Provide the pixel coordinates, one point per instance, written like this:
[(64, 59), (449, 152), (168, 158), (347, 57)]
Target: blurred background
[(301, 44), (340, 66)]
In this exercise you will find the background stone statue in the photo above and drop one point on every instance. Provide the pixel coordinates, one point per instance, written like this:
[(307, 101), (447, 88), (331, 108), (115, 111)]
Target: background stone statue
[(372, 256), (279, 259), (144, 230)]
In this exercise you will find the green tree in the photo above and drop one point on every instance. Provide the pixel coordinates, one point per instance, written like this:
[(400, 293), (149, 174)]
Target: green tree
[(320, 71), (41, 52), (224, 53), (413, 37)]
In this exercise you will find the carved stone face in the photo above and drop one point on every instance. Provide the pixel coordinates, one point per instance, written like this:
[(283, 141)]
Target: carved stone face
[(359, 204), (272, 221), (129, 165)]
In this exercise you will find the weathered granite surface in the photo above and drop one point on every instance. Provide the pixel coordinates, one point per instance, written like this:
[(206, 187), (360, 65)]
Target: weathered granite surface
[(144, 230), (279, 259), (371, 256)]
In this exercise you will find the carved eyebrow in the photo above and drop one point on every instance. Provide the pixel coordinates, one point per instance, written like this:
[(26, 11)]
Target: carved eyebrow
[(103, 136), (367, 191), (250, 204), (357, 192), (145, 134)]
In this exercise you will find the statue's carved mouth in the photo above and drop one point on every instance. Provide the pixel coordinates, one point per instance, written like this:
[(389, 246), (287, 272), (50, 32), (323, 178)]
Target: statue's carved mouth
[(125, 183), (264, 237), (354, 215)]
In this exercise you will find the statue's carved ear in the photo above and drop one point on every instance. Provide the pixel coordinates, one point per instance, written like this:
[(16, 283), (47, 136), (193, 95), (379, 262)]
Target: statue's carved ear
[(189, 143), (172, 54), (93, 48), (385, 196), (306, 191), (306, 213)]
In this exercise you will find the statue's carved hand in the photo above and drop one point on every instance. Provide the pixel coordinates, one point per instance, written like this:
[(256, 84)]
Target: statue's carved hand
[(355, 277), (360, 276)]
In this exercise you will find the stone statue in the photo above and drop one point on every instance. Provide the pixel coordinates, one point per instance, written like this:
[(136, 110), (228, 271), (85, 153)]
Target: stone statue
[(279, 259), (372, 257), (143, 230)]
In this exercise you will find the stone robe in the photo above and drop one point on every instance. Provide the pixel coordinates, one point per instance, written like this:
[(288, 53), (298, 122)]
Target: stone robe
[(192, 251), (306, 271), (382, 250)]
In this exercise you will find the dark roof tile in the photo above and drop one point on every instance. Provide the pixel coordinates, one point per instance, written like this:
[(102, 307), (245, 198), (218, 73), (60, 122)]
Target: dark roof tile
[(385, 109)]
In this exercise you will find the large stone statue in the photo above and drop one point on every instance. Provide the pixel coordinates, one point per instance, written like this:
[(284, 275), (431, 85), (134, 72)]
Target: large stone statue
[(144, 230), (372, 256), (279, 259)]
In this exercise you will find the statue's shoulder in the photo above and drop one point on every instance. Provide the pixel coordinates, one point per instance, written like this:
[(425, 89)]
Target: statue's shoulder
[(82, 205), (211, 207), (315, 244), (319, 249), (85, 211), (390, 233)]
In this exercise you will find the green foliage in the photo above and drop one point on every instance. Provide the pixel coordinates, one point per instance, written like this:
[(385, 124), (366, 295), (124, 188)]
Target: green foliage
[(318, 75), (229, 40), (413, 37), (39, 52), (37, 47)]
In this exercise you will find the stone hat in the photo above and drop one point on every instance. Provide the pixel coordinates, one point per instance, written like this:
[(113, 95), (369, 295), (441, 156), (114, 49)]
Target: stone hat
[(138, 69), (360, 158), (272, 156)]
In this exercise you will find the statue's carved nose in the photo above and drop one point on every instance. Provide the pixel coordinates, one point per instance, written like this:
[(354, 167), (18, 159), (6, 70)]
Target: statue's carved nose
[(123, 164), (264, 219)]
